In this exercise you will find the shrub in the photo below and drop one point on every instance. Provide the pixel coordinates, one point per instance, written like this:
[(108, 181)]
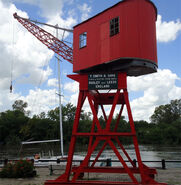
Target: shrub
[(19, 169)]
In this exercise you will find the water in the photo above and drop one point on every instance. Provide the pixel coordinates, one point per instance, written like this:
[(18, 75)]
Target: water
[(28, 151), (152, 153), (148, 153)]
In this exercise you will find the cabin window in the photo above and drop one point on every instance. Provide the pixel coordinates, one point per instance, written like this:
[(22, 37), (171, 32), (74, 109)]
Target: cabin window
[(114, 26), (83, 40)]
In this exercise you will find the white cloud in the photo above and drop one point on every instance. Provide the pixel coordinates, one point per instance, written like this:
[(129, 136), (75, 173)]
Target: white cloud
[(28, 55), (71, 91), (40, 100), (85, 10), (159, 88), (47, 7), (72, 87), (53, 82), (53, 11), (72, 99), (55, 19), (7, 99), (167, 31), (21, 50)]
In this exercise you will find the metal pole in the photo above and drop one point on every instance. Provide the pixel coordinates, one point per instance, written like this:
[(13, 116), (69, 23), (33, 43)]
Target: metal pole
[(60, 104)]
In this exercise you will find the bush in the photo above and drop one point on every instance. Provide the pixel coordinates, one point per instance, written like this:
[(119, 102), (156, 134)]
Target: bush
[(19, 169)]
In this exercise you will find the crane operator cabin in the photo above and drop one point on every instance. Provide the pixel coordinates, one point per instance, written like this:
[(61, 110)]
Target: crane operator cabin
[(122, 38)]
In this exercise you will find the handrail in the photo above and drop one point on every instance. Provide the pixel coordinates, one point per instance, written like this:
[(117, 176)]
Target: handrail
[(58, 161)]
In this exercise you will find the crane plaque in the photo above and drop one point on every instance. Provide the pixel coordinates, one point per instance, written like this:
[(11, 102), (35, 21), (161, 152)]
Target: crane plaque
[(103, 81)]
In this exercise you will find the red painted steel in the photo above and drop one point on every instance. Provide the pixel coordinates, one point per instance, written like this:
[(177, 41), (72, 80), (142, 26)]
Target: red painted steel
[(99, 183), (135, 42), (104, 136), (133, 50), (112, 170), (47, 39)]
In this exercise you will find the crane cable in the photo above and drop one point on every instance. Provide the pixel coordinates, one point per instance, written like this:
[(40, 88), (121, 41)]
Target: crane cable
[(12, 64)]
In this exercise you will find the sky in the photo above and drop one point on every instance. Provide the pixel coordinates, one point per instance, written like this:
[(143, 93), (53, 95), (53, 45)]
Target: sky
[(33, 68)]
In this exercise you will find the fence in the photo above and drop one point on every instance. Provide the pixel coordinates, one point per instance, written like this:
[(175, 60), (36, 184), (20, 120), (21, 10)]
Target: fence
[(108, 162)]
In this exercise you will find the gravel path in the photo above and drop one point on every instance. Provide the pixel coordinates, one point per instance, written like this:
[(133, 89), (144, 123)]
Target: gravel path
[(169, 176)]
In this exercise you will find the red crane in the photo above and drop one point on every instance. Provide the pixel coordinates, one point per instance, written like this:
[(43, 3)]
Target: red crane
[(47, 38), (103, 134)]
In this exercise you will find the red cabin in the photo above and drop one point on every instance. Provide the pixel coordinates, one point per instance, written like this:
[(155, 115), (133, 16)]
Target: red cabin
[(121, 38)]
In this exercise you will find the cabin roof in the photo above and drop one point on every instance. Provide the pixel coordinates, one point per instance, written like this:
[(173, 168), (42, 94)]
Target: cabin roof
[(111, 8)]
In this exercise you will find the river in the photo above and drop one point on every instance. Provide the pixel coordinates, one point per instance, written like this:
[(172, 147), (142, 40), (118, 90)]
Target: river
[(148, 153)]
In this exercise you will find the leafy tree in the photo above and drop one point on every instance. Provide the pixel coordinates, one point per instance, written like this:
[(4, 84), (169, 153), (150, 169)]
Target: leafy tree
[(15, 126), (68, 112), (54, 114), (42, 115), (177, 125), (11, 123), (167, 113), (20, 105), (40, 129)]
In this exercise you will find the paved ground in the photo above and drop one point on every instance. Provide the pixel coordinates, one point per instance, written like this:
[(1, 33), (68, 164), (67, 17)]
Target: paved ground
[(169, 176)]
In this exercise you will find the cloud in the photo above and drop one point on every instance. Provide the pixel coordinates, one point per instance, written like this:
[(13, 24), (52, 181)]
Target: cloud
[(53, 82), (21, 53), (72, 87), (71, 95), (47, 7), (85, 10), (40, 100), (29, 57), (53, 11), (159, 88), (7, 99), (54, 14), (71, 90), (167, 31), (55, 19), (26, 57)]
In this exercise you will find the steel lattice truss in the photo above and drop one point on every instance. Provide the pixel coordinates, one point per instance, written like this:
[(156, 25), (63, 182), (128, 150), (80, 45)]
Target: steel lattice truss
[(48, 39)]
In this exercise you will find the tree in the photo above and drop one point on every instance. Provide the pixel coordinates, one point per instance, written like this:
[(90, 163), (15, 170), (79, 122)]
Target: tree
[(20, 105), (167, 113), (11, 123), (54, 114), (68, 112)]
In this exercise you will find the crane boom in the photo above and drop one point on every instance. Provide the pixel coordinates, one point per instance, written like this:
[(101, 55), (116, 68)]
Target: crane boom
[(47, 39)]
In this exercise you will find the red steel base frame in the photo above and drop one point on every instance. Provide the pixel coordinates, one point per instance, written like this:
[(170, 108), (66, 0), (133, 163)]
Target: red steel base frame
[(108, 135)]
